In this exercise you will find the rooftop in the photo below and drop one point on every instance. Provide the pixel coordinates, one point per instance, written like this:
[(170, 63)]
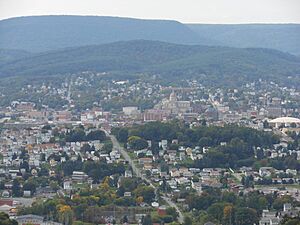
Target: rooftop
[(285, 120)]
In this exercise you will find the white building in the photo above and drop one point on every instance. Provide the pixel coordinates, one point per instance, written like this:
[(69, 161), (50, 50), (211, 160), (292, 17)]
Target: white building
[(285, 121), (130, 110)]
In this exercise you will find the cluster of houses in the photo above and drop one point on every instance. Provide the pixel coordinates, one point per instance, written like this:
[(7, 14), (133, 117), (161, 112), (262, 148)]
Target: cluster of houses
[(274, 217), (27, 150), (179, 177), (25, 131)]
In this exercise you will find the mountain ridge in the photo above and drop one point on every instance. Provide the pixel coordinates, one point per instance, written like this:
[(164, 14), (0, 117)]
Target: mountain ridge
[(283, 37), (43, 33), (165, 59)]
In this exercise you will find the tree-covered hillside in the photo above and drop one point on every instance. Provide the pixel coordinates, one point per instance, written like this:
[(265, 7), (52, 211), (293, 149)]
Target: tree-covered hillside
[(283, 37), (42, 33), (238, 150), (7, 55), (163, 59)]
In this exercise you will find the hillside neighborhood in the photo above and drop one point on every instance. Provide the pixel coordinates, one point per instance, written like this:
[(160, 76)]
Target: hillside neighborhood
[(151, 160)]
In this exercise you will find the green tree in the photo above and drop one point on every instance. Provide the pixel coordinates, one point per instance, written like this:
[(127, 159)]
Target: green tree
[(137, 143), (16, 188), (43, 157), (147, 220), (187, 221), (205, 141), (122, 135), (245, 216), (279, 202), (146, 192), (96, 135), (290, 221), (4, 220), (216, 211), (87, 148), (107, 147), (54, 185), (76, 135), (172, 212), (30, 185)]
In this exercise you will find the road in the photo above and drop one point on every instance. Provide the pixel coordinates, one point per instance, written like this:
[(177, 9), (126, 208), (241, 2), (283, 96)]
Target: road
[(172, 204), (69, 93), (125, 155), (138, 173)]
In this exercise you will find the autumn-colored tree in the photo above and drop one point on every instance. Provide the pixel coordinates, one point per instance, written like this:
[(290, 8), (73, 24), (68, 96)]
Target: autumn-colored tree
[(139, 200), (105, 184), (65, 214), (228, 215), (147, 192)]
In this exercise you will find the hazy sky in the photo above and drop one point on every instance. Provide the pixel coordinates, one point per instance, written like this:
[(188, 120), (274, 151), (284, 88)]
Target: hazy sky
[(188, 11)]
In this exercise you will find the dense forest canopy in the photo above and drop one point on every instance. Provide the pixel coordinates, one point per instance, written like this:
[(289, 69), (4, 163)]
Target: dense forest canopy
[(283, 37), (229, 146), (157, 131), (168, 61), (44, 33)]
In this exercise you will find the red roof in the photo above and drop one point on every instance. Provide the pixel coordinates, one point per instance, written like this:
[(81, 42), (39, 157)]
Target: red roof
[(6, 202)]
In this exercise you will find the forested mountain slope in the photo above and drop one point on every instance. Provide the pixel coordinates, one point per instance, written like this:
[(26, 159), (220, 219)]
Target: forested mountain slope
[(42, 33), (160, 58), (283, 37)]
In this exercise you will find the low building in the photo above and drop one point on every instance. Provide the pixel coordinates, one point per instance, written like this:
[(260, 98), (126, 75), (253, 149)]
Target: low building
[(33, 219), (78, 176), (130, 110), (285, 121)]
